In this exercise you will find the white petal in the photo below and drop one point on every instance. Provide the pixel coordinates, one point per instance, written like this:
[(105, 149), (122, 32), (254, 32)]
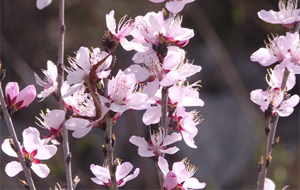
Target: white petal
[(193, 183), (55, 118), (42, 3), (171, 150), (181, 172), (174, 137), (45, 152), (264, 57), (130, 177), (13, 168), (40, 170), (163, 165), (6, 148), (31, 139), (269, 184), (152, 115), (141, 74), (123, 170), (101, 173), (81, 132), (138, 141)]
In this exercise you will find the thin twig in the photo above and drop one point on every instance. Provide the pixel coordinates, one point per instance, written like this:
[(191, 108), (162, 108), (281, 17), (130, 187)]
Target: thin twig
[(60, 79), (109, 145), (13, 135), (165, 125), (110, 142), (271, 130)]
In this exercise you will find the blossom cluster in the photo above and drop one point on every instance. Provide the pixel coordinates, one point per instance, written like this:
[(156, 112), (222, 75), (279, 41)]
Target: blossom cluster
[(284, 50), (91, 93)]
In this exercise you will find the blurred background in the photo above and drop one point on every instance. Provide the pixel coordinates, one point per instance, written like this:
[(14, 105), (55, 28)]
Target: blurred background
[(231, 137)]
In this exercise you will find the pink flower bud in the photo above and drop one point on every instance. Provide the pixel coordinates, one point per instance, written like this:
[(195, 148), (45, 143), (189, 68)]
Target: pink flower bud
[(26, 96)]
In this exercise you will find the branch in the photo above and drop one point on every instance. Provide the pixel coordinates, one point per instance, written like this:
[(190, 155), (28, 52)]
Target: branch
[(60, 80), (13, 135), (270, 132)]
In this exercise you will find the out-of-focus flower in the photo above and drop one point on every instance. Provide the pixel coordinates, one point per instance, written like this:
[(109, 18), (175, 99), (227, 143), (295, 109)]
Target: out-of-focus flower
[(34, 150), (49, 83), (42, 3), (180, 176), (288, 13), (275, 78), (19, 100), (174, 6), (156, 144), (281, 104), (270, 185), (276, 50), (284, 49), (122, 170)]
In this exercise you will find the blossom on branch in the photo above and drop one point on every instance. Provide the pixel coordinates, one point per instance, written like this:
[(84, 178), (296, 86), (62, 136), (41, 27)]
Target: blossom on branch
[(276, 76), (122, 170), (288, 13), (123, 93), (34, 150), (156, 144), (52, 121), (18, 100), (81, 65), (180, 177), (284, 49), (280, 103), (121, 30), (49, 83)]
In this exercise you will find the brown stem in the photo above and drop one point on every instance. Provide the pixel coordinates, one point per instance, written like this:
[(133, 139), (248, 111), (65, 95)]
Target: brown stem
[(270, 132), (60, 80), (13, 135)]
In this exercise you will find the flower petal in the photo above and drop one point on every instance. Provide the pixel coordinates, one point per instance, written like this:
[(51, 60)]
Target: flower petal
[(13, 168), (40, 170)]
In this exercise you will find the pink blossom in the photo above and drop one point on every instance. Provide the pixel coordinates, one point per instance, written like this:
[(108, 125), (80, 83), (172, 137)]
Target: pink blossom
[(52, 121), (275, 78), (279, 49), (49, 83), (180, 176), (174, 6), (288, 13), (186, 122), (179, 95), (81, 65), (153, 29), (82, 104), (121, 30), (122, 170), (124, 95), (33, 151), (283, 105), (19, 100), (156, 144), (42, 3)]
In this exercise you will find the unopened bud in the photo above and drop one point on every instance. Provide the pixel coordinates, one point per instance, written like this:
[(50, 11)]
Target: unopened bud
[(276, 141)]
